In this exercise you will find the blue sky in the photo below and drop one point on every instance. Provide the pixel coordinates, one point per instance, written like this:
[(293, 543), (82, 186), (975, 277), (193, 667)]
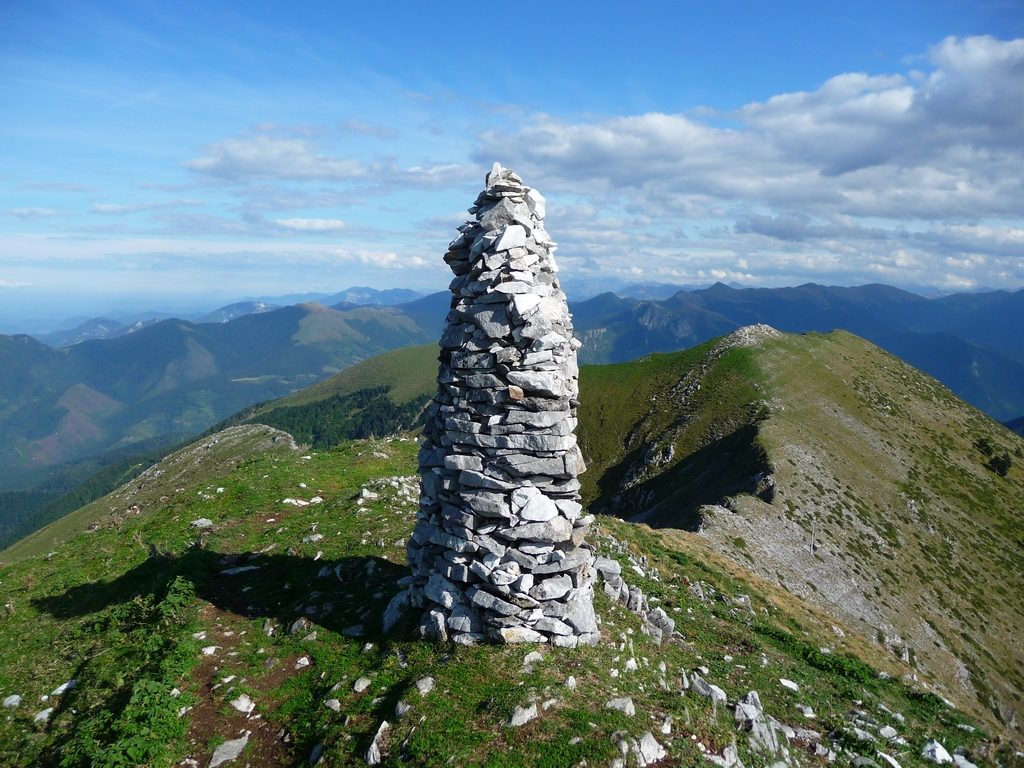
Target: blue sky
[(175, 155)]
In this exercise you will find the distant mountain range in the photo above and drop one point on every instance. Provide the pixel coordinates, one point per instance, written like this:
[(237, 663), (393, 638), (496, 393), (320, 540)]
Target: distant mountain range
[(970, 342), (110, 327), (173, 378), (69, 411)]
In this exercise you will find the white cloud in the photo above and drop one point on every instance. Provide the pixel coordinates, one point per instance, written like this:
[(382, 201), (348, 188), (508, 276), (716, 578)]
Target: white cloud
[(120, 209), (283, 158), (273, 157), (32, 213), (367, 128), (832, 181), (311, 225), (8, 284), (384, 259)]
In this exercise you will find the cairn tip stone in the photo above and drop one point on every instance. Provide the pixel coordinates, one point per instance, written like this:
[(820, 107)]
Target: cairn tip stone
[(499, 550)]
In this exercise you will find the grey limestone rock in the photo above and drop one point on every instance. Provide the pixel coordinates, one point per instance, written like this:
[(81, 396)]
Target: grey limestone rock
[(623, 705), (703, 688), (498, 551), (522, 715), (229, 750)]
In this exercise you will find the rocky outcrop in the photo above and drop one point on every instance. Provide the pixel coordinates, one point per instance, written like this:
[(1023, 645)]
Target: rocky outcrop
[(498, 547)]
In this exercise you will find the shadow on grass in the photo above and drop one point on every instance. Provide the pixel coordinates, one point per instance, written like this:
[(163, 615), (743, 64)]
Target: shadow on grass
[(724, 467), (253, 585), (346, 595)]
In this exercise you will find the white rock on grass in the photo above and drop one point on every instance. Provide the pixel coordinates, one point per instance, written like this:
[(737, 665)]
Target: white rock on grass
[(361, 684), (890, 760), (63, 688), (425, 685), (302, 662), (12, 701), (229, 750), (521, 716), (702, 687), (333, 704), (623, 704), (244, 704), (934, 752), (42, 717), (962, 762), (532, 658), (789, 684), (648, 750), (202, 522), (374, 754)]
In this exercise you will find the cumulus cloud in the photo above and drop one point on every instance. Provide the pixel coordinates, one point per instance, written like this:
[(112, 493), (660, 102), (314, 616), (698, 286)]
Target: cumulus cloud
[(273, 157), (389, 260), (904, 163)]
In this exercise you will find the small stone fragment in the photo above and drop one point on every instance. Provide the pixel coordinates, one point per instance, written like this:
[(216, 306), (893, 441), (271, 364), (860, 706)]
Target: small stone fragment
[(42, 717), (522, 715), (229, 750), (244, 704), (648, 750), (934, 752), (623, 704), (63, 688), (361, 684), (702, 687), (374, 753)]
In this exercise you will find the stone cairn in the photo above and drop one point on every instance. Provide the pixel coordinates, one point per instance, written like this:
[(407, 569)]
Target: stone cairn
[(498, 548)]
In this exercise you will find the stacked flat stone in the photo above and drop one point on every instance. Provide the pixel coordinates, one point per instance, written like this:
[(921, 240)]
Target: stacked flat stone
[(498, 549)]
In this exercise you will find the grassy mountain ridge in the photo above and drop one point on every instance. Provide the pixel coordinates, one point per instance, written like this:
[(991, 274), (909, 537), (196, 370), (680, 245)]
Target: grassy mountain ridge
[(967, 341), (827, 443), (823, 435), (262, 626)]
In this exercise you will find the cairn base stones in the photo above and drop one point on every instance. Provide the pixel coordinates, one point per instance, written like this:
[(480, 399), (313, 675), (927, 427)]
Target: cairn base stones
[(498, 551)]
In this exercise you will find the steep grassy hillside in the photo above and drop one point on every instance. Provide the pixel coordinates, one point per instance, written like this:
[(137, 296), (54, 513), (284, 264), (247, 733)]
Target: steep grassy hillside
[(916, 536), (235, 602), (850, 478), (383, 395)]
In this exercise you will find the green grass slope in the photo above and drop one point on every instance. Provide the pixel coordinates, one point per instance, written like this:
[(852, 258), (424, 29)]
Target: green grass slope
[(840, 472), (917, 538), (763, 442), (263, 626)]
